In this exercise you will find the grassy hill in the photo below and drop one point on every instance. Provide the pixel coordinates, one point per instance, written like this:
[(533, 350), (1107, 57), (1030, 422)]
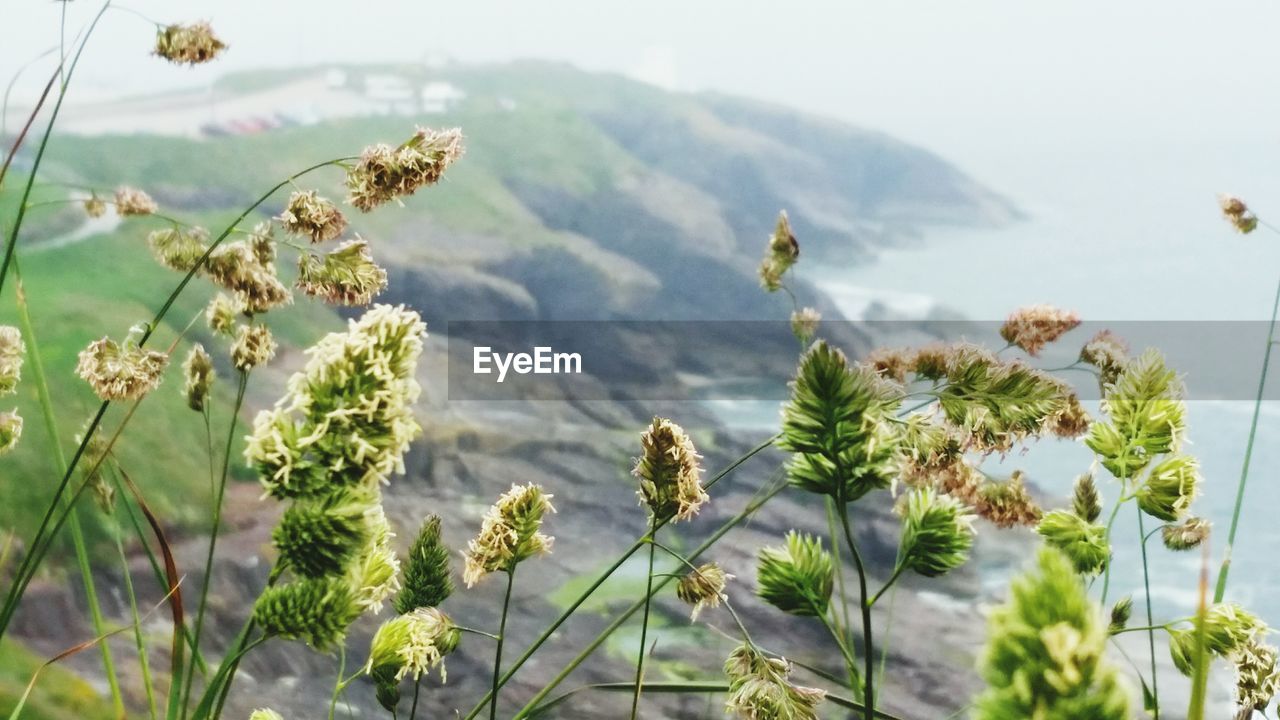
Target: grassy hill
[(581, 196)]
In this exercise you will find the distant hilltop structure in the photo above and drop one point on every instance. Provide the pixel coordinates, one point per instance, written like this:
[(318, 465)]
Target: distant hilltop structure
[(249, 104)]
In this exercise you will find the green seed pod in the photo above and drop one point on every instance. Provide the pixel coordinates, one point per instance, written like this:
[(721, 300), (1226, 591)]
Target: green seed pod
[(427, 581), (1120, 614), (1170, 488), (937, 532), (797, 578), (1086, 502), (1084, 542), (1045, 651), (320, 536), (315, 610)]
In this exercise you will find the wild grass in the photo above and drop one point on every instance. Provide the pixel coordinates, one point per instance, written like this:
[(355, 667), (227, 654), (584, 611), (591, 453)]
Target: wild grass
[(922, 424)]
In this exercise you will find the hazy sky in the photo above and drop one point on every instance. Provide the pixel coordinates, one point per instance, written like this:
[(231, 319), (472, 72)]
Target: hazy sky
[(924, 70), (1115, 122)]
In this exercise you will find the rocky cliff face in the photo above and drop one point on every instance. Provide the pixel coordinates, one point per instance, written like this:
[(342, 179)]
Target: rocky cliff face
[(582, 197)]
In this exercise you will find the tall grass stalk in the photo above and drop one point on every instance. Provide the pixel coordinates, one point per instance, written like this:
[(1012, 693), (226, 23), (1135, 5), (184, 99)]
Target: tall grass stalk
[(600, 580), (644, 622), (502, 636), (756, 503), (12, 241), (20, 585), (1151, 633), (77, 533), (864, 602), (1220, 589), (144, 666), (215, 525)]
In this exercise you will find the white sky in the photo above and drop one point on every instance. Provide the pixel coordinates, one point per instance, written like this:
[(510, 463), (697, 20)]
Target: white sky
[(924, 70)]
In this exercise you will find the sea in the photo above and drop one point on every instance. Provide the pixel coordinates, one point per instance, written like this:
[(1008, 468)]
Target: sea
[(1124, 231)]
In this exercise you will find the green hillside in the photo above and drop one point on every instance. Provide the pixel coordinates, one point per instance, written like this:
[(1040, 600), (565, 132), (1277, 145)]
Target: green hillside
[(581, 196)]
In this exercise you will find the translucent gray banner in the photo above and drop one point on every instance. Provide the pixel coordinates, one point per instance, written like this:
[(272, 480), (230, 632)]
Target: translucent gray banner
[(734, 360)]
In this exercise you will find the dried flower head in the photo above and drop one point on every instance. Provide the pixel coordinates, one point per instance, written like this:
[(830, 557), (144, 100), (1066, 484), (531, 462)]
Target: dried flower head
[(94, 206), (937, 532), (781, 253), (760, 688), (179, 248), (797, 577), (411, 644), (1071, 420), (1107, 352), (1045, 651), (190, 44), (197, 369), (263, 243), (221, 314), (252, 347), (1188, 534), (10, 430), (131, 201), (669, 474), (1170, 488), (1005, 503), (312, 216), (118, 371), (1085, 543), (892, 363), (237, 267), (265, 714), (427, 573), (348, 416), (1031, 328), (346, 276), (804, 323), (12, 350), (1238, 214), (997, 404), (509, 534), (385, 173), (703, 587), (834, 424), (1257, 679)]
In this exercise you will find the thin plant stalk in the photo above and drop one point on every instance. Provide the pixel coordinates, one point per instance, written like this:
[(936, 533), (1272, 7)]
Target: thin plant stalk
[(19, 587), (413, 709), (850, 661), (12, 242), (644, 623), (619, 621), (338, 683), (144, 666), (1220, 589), (842, 620), (216, 523), (1111, 520), (1200, 674), (502, 635), (869, 695), (600, 580), (1151, 633), (77, 532)]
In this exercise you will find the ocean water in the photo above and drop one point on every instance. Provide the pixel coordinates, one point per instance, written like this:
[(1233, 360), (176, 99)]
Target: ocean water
[(1123, 230)]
